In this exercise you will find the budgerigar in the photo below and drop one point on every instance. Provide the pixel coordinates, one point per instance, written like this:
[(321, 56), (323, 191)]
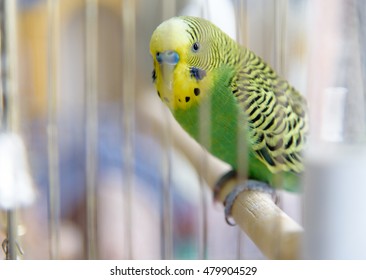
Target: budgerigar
[(252, 109)]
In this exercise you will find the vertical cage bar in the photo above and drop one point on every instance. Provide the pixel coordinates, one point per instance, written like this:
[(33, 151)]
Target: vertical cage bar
[(203, 240), (167, 203), (52, 127), (241, 21), (128, 114), (169, 8), (361, 17), (91, 119), (204, 139), (241, 35), (279, 50), (204, 136), (10, 86), (2, 93), (10, 102), (11, 233), (280, 18)]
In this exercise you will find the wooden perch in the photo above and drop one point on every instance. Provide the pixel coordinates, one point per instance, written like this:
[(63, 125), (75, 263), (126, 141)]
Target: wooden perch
[(273, 231)]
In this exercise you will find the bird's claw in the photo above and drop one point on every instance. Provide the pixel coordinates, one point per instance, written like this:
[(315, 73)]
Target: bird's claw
[(222, 182), (249, 185)]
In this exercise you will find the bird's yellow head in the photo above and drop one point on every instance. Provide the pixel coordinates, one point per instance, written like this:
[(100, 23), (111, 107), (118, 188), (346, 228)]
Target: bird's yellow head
[(183, 50)]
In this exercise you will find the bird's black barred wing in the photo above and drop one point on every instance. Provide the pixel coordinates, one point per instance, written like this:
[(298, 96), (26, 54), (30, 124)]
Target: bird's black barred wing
[(276, 115)]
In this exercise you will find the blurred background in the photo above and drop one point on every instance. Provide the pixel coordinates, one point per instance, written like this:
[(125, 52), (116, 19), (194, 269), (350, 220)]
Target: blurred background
[(88, 164)]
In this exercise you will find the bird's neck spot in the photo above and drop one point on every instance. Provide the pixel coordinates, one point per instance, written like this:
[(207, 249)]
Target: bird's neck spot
[(192, 91)]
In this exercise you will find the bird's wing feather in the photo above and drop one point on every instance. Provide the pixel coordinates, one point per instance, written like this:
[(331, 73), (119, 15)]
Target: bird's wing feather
[(276, 115)]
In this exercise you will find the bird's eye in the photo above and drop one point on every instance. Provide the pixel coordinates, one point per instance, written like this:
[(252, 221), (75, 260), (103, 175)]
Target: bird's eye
[(195, 46)]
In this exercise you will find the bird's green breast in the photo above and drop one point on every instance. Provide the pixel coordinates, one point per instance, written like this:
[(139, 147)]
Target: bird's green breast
[(218, 123)]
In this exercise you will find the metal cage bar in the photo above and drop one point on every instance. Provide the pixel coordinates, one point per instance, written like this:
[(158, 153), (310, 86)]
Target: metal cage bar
[(91, 118), (10, 104), (52, 126), (128, 115)]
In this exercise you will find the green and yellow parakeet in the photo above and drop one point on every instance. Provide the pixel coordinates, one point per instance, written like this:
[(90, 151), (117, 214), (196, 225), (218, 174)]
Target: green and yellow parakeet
[(196, 63)]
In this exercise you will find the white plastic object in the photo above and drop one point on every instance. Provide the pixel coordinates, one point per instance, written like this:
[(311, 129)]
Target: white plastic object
[(16, 186)]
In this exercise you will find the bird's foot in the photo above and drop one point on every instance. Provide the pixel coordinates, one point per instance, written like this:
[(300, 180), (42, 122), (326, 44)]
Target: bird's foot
[(248, 185)]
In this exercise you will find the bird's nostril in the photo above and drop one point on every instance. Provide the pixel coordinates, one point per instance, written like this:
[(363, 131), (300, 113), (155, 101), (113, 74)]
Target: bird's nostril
[(168, 57)]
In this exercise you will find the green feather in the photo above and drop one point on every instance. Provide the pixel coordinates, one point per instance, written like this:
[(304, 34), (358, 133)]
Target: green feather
[(226, 130)]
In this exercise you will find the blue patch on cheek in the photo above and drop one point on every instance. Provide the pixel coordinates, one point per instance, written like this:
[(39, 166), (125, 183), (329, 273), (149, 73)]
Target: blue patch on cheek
[(197, 73)]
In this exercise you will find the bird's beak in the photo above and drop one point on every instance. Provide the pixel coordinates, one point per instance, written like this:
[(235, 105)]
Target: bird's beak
[(167, 61)]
